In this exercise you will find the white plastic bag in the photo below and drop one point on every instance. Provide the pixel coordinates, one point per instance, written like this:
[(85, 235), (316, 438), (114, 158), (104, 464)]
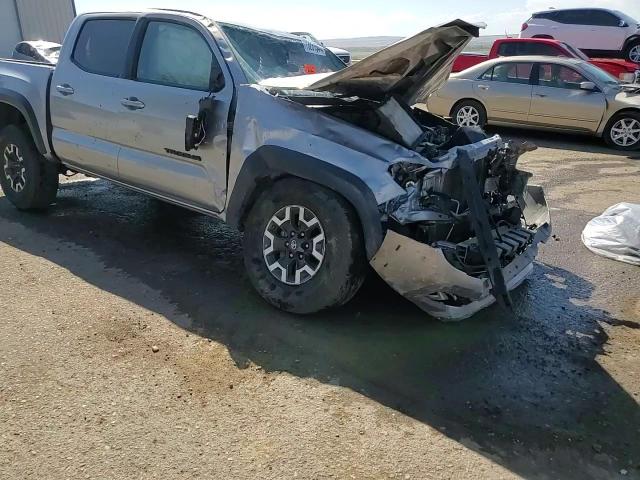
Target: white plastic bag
[(616, 233)]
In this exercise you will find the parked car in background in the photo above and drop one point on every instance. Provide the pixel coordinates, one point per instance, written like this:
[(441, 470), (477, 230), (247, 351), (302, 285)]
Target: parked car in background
[(623, 70), (543, 92), (598, 32), (37, 51), (342, 54)]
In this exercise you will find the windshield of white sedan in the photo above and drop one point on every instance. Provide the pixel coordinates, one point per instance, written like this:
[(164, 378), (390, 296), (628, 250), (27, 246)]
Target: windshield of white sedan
[(271, 55)]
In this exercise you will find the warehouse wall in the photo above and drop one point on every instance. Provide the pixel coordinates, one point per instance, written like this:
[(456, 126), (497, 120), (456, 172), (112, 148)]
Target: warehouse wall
[(9, 27), (45, 20)]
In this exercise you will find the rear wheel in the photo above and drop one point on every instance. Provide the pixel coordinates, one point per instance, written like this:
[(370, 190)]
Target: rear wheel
[(623, 131), (28, 180), (469, 113), (303, 247), (632, 52)]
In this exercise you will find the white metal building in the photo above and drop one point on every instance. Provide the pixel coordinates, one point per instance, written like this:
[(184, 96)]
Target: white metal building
[(33, 20)]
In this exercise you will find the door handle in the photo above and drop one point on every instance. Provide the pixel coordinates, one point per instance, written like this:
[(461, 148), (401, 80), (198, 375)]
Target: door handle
[(132, 103), (541, 95), (65, 89), (483, 87)]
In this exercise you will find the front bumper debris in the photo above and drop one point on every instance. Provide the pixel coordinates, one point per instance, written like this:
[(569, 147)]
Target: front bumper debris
[(423, 275)]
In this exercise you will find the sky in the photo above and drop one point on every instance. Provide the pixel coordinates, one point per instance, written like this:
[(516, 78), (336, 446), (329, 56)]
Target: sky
[(358, 18)]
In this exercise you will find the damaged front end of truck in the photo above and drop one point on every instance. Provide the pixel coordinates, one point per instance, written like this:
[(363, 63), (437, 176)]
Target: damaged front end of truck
[(466, 232), (467, 227)]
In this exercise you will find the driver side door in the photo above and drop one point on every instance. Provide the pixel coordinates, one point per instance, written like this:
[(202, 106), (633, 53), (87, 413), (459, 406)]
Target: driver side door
[(172, 71), (558, 100)]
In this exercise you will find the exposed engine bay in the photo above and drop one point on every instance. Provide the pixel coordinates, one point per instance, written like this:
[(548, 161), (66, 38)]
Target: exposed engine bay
[(465, 199)]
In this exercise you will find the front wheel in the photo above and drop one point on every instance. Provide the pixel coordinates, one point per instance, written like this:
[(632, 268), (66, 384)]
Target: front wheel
[(303, 247), (632, 52), (28, 180), (469, 113), (623, 131)]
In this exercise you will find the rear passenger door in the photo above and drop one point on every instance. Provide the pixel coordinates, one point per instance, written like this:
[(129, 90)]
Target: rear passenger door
[(175, 64), (85, 111), (505, 90)]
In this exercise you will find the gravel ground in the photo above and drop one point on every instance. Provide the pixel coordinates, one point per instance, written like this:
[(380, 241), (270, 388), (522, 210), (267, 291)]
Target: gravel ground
[(134, 347)]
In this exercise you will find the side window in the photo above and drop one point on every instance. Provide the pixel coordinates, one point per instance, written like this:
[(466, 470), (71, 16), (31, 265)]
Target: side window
[(603, 19), (512, 73), (102, 46), (573, 17), (546, 16), (177, 56), (559, 76), (487, 75)]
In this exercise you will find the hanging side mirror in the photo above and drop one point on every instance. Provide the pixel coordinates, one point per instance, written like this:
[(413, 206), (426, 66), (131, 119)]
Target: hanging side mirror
[(196, 128)]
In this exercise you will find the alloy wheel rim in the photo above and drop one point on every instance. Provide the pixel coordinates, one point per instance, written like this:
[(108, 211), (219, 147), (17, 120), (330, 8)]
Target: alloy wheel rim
[(626, 132), (294, 245), (634, 54), (14, 169), (468, 117)]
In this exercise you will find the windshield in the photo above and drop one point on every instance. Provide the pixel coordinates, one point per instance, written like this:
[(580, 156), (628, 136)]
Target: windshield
[(266, 55), (308, 36), (576, 52), (600, 75)]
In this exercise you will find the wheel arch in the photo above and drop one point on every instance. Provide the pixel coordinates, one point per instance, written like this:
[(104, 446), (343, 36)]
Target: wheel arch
[(269, 164), (614, 115), (469, 99), (15, 109), (632, 40)]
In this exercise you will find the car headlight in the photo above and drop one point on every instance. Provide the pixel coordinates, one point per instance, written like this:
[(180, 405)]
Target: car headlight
[(628, 77)]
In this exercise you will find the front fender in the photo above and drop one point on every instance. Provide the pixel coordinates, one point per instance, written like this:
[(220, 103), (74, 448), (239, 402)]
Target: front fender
[(269, 162)]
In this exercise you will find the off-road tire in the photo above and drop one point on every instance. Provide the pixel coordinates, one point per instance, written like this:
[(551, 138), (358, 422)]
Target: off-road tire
[(477, 106), (40, 185), (344, 267), (608, 131)]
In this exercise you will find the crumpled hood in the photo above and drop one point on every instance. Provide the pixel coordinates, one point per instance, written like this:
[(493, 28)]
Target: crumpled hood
[(410, 69)]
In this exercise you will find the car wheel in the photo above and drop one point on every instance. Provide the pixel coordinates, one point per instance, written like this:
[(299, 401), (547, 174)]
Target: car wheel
[(623, 131), (632, 53), (469, 113), (303, 247), (28, 180)]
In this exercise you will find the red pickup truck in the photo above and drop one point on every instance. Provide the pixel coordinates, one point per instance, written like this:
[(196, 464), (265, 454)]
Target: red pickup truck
[(510, 47)]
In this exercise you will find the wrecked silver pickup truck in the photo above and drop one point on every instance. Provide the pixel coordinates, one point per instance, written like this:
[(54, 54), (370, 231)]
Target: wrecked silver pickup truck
[(325, 168)]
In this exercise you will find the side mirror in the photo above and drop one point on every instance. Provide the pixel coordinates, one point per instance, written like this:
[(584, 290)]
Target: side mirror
[(196, 128), (623, 24), (589, 86), (193, 133)]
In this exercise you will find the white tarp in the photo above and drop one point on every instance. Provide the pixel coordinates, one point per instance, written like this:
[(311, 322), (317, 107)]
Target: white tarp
[(616, 233)]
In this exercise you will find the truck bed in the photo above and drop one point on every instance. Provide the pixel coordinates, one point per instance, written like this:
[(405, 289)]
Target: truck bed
[(27, 83)]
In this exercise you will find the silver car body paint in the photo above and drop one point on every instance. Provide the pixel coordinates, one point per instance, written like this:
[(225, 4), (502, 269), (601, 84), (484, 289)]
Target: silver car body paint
[(94, 133)]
